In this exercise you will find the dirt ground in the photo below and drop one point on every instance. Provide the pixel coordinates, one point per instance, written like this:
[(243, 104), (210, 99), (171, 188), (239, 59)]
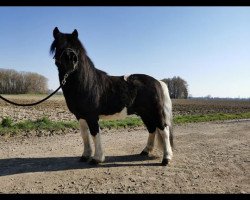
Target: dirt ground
[(208, 158)]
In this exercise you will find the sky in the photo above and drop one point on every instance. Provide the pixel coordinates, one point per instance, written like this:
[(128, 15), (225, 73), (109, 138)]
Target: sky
[(209, 47)]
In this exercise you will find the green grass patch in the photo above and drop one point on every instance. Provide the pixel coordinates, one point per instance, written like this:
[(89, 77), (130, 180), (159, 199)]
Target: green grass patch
[(6, 122), (127, 122), (44, 123), (7, 125), (209, 117)]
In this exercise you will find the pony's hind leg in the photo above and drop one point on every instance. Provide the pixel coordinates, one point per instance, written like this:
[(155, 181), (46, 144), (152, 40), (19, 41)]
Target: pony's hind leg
[(150, 144), (164, 137), (87, 153)]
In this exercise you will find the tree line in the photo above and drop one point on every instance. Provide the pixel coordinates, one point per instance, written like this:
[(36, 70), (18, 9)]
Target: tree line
[(13, 82), (178, 87)]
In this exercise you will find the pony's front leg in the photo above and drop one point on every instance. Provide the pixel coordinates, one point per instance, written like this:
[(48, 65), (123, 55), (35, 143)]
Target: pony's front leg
[(99, 155), (87, 153), (96, 136)]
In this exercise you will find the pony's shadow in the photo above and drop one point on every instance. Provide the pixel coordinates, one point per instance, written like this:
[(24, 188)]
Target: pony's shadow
[(12, 166)]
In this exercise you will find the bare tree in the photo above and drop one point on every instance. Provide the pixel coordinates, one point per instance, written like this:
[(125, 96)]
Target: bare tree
[(13, 82), (178, 87)]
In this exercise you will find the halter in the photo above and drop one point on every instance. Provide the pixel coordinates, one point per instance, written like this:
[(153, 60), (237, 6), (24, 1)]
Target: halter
[(68, 50)]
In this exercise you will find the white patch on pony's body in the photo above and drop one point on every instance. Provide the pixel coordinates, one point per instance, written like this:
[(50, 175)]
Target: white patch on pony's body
[(126, 77), (86, 138), (121, 115), (99, 155)]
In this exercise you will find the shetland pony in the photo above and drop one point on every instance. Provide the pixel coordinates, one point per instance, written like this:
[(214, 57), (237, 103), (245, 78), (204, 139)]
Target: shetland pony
[(91, 93)]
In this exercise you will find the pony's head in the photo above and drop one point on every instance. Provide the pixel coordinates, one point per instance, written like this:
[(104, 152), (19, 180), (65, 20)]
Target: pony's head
[(69, 53), (66, 49)]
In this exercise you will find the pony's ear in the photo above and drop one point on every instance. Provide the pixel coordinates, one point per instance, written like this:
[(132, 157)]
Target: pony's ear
[(75, 33), (55, 32)]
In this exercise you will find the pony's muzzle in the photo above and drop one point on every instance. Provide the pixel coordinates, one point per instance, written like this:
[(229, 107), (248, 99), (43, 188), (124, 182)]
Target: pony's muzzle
[(71, 57)]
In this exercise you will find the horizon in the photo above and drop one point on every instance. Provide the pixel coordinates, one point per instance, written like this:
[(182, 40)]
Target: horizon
[(206, 46)]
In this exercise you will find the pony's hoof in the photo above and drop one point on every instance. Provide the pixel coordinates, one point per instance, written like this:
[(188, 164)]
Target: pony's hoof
[(84, 159), (165, 162), (93, 162), (144, 153)]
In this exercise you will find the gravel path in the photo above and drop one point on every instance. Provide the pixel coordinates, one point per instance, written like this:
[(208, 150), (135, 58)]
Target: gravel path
[(208, 158)]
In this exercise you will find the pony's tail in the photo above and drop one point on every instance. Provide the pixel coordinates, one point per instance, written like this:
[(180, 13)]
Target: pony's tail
[(167, 109)]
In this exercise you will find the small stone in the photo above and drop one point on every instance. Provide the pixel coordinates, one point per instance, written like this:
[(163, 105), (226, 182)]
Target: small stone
[(131, 179)]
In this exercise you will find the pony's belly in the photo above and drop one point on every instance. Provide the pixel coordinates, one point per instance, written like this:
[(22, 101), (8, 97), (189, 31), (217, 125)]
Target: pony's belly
[(121, 115)]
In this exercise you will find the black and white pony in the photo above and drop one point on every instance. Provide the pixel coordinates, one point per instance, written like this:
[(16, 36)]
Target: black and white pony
[(91, 93)]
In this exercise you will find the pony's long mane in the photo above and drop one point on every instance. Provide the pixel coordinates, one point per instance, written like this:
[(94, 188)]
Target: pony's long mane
[(91, 79)]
